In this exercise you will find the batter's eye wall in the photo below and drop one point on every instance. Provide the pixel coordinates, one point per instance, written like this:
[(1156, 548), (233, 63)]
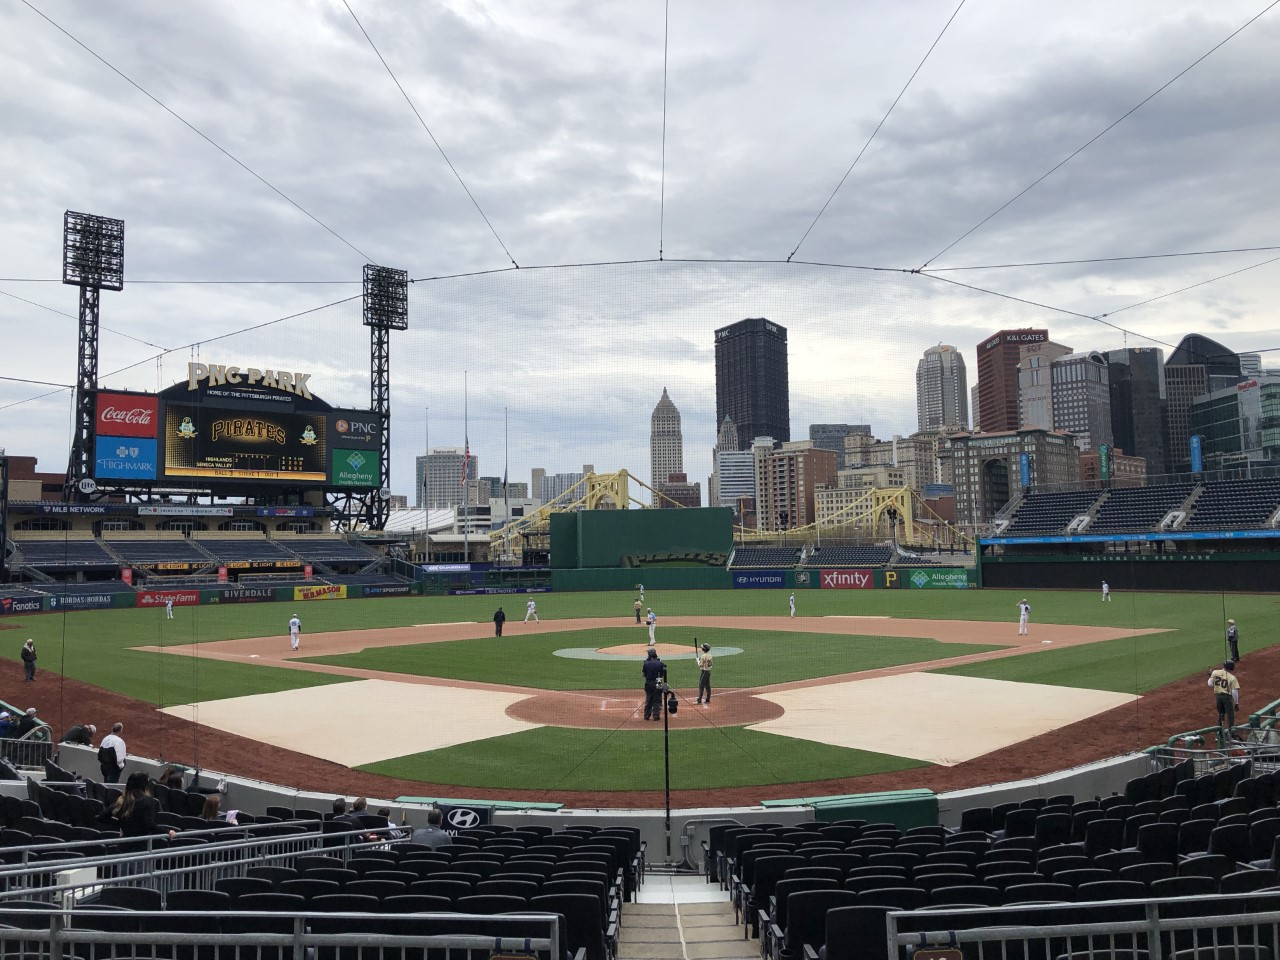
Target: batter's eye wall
[(620, 538), (1259, 574)]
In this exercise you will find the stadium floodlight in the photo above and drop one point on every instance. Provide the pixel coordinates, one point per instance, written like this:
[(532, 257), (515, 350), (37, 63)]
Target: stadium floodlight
[(92, 251), (386, 297)]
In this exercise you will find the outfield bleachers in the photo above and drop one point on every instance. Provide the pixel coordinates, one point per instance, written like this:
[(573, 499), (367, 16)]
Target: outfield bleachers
[(766, 557), (251, 549), (1049, 512), (65, 554), (314, 549), (869, 556), (1139, 508), (176, 549), (1235, 504)]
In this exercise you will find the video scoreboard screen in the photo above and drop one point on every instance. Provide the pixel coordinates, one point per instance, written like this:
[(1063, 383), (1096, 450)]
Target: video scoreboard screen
[(230, 444)]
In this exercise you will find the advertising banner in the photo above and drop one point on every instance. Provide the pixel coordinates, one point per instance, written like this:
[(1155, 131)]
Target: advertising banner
[(1196, 443), (82, 601), (244, 594), (846, 579), (12, 605), (1104, 462), (222, 574), (355, 429), (128, 415), (759, 579), (386, 590), (327, 591), (286, 511), (464, 818), (941, 579), (308, 571), (1024, 469), (124, 458), (158, 598), (87, 509), (495, 591), (229, 444), (446, 567), (126, 574), (356, 468), (183, 510)]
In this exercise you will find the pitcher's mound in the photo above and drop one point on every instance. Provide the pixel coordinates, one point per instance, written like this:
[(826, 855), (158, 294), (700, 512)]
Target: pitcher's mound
[(665, 650)]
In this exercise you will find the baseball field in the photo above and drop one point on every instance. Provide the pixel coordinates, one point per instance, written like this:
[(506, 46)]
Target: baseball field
[(867, 687)]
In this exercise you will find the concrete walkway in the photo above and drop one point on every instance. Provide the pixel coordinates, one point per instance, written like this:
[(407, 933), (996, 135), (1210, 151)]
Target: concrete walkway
[(682, 918)]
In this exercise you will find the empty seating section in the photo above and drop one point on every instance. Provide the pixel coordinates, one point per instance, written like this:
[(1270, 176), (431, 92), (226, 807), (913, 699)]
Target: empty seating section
[(65, 554), (1235, 504), (74, 588), (1139, 508), (247, 549), (870, 556), (328, 550), (178, 550), (1050, 512), (766, 557)]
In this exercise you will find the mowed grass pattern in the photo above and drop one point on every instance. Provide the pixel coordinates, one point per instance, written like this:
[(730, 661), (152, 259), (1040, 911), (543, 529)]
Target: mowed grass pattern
[(767, 657), (555, 758)]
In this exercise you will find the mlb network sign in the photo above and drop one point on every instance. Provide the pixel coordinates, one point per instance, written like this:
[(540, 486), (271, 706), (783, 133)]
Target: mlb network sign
[(846, 580)]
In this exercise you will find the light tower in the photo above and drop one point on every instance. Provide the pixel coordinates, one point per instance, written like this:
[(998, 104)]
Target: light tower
[(386, 308), (93, 260)]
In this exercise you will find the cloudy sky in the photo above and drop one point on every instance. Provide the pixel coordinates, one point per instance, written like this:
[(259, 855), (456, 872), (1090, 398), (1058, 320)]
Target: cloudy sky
[(554, 121)]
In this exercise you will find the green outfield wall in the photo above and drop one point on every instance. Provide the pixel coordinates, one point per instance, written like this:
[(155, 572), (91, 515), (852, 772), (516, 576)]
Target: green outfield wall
[(641, 538), (653, 578)]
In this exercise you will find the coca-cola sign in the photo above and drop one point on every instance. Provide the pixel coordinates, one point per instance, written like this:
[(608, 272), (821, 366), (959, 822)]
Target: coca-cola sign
[(128, 414)]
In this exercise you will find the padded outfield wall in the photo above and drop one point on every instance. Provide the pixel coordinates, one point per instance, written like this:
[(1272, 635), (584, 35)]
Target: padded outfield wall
[(1210, 572), (641, 538)]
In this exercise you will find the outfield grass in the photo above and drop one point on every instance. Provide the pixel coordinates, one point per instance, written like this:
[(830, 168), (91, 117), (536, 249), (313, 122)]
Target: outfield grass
[(555, 758), (767, 657)]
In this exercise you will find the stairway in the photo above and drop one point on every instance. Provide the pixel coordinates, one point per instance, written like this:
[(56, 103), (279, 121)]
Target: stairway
[(683, 931)]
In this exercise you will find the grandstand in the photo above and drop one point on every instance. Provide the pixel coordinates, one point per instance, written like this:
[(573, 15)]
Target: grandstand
[(1236, 504), (1139, 508), (1044, 513), (850, 556), (765, 557), (65, 555)]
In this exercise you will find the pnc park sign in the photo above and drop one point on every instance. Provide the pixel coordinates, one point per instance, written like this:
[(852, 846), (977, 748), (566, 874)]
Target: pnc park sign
[(217, 374)]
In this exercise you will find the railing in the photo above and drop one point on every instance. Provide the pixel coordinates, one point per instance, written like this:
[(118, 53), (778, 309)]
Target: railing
[(1210, 751), (1155, 928), (49, 934), (28, 752)]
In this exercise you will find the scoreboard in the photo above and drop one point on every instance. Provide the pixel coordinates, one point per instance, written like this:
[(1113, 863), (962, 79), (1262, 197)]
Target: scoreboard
[(215, 443)]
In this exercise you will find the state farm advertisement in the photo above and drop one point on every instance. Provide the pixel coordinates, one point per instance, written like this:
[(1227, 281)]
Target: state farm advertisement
[(846, 580), (128, 415), (158, 598)]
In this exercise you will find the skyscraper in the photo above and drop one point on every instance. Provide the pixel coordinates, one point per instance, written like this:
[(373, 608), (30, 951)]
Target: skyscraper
[(752, 388), (998, 358), (1082, 398), (832, 436), (1198, 366), (666, 445), (440, 476), (942, 391), (1138, 403)]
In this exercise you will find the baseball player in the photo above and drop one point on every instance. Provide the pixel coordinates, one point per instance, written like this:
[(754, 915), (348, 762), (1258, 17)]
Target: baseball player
[(1024, 614), (791, 600), (704, 674), (639, 606), (295, 632), (1226, 693), (640, 587), (1106, 591), (168, 608), (531, 610), (1233, 641), (652, 620)]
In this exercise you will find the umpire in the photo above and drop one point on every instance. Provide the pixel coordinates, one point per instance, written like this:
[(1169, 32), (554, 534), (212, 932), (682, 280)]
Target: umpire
[(655, 673)]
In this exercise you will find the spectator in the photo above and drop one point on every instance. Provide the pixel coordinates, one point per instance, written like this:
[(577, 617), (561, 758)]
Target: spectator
[(7, 724), (432, 835), (340, 815), (111, 754), (81, 735), (136, 809), (28, 723), (395, 833), (29, 661), (171, 777), (213, 811)]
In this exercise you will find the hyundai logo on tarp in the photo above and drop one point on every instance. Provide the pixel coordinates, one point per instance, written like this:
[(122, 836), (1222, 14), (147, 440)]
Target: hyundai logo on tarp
[(462, 819)]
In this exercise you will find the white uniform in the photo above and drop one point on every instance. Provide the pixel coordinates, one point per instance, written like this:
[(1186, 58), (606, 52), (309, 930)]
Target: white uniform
[(640, 587), (1024, 613), (295, 632), (168, 608), (792, 601), (652, 621), (531, 610), (1106, 590)]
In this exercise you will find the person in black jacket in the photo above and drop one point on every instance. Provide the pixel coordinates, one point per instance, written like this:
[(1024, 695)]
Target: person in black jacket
[(499, 618), (81, 734), (29, 661), (655, 673), (136, 809)]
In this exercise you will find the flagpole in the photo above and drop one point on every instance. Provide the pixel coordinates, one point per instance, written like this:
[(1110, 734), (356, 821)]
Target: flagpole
[(506, 500), (466, 462)]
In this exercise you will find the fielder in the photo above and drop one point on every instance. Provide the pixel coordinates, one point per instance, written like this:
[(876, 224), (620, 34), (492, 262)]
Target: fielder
[(792, 601), (531, 610), (652, 621), (640, 587), (1024, 614), (168, 608), (1106, 591), (295, 632)]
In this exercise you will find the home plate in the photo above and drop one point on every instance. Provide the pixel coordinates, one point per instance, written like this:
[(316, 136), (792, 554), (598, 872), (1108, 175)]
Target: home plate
[(932, 716)]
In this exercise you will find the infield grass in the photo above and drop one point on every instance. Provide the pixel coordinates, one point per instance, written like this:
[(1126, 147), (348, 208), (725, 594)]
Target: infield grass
[(556, 758)]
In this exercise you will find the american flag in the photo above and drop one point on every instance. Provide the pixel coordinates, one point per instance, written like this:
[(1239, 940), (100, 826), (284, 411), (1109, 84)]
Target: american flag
[(466, 459)]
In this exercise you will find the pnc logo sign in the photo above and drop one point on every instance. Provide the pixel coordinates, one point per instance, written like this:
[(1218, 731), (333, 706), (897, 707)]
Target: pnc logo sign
[(846, 580)]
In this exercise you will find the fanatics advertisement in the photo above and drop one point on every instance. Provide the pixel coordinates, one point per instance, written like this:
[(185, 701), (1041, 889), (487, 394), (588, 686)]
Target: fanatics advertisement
[(846, 580), (760, 580), (128, 415), (10, 605), (124, 458), (226, 444)]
